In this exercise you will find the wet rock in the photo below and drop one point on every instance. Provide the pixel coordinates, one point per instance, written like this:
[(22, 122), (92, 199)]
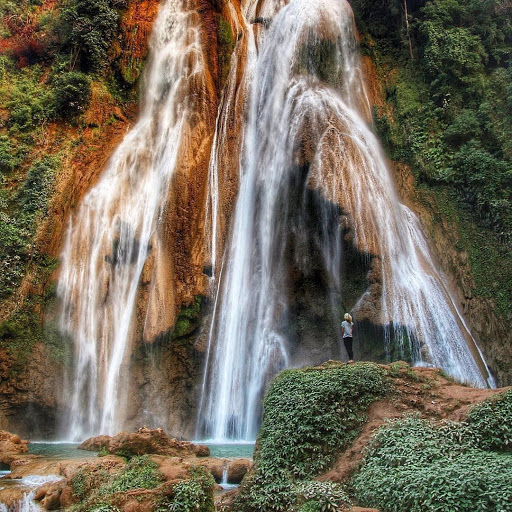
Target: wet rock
[(51, 500), (10, 446), (95, 444), (237, 470), (145, 441)]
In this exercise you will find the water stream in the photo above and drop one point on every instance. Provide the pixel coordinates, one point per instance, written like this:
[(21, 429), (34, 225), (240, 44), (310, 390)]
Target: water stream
[(116, 228), (308, 131)]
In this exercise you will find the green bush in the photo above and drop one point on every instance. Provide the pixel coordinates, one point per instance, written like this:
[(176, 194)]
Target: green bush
[(10, 155), (195, 494), (414, 465), (72, 93), (322, 497), (37, 189), (310, 416), (491, 423), (140, 473), (29, 102), (89, 27)]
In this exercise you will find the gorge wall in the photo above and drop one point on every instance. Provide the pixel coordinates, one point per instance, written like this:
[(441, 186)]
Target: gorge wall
[(174, 303)]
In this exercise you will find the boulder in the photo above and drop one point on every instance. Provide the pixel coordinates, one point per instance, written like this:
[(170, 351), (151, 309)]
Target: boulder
[(95, 444), (10, 446), (145, 441), (237, 469)]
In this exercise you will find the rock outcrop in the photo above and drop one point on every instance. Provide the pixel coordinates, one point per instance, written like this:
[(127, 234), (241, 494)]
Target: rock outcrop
[(144, 441), (11, 446)]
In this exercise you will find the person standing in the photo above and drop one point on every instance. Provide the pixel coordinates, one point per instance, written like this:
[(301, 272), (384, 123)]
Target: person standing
[(347, 327)]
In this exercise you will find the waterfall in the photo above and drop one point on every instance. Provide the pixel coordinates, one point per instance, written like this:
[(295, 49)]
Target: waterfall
[(308, 144), (116, 228)]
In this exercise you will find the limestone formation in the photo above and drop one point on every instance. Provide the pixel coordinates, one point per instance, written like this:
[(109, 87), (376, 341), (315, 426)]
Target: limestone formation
[(145, 441)]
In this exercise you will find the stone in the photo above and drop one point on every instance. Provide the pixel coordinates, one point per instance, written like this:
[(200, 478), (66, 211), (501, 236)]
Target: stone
[(10, 446), (95, 444), (145, 441), (237, 470)]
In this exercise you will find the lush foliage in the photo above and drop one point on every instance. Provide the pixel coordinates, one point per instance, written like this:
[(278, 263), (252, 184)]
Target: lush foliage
[(414, 465), (310, 416), (316, 496), (491, 423), (140, 473), (91, 26), (449, 104), (19, 215), (195, 494)]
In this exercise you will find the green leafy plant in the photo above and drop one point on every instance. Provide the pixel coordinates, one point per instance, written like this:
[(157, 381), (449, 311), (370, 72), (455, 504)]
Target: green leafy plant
[(195, 494), (413, 465), (310, 415), (140, 473), (490, 422)]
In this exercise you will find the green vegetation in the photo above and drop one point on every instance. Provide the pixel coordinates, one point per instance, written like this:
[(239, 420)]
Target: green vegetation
[(195, 494), (51, 58), (98, 489), (226, 44), (88, 27), (491, 423), (311, 415), (188, 318), (95, 489), (448, 86), (414, 465), (140, 473), (20, 214)]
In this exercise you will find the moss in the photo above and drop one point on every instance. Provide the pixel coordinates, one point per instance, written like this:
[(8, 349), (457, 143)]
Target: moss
[(490, 260), (226, 44), (132, 69), (320, 58), (188, 319)]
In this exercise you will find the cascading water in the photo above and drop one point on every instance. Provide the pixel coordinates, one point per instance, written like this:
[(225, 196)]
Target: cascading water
[(308, 134), (115, 229)]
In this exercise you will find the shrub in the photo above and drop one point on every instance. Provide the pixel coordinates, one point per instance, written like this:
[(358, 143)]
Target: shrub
[(322, 496), (91, 26), (72, 93), (192, 495), (140, 473), (37, 189), (490, 422), (10, 157), (310, 415), (28, 101), (413, 465)]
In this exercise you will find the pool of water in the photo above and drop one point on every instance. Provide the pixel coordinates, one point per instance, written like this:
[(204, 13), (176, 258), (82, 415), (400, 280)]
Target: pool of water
[(230, 450), (58, 450), (65, 450)]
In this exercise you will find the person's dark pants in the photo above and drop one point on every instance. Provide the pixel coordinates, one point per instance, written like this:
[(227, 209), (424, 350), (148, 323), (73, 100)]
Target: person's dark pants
[(348, 345)]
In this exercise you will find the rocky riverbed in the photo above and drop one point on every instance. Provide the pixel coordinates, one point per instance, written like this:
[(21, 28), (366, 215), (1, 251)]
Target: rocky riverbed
[(136, 470)]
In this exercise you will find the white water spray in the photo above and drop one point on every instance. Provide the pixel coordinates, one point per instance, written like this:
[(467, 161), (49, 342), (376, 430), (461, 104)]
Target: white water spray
[(308, 132), (116, 227)]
